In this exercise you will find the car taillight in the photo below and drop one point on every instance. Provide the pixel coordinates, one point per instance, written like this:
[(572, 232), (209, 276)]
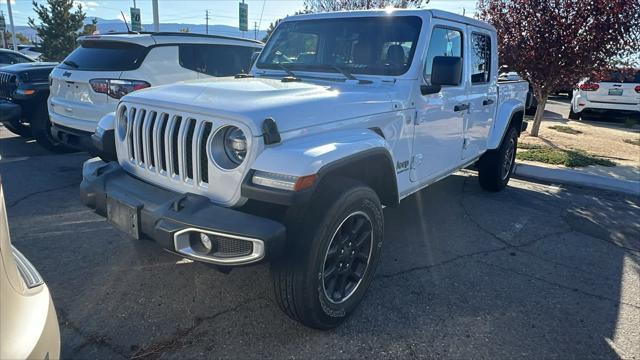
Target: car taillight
[(117, 88), (638, 89), (589, 87)]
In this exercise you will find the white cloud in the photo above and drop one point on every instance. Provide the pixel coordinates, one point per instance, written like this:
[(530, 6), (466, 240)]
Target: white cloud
[(5, 1), (86, 5)]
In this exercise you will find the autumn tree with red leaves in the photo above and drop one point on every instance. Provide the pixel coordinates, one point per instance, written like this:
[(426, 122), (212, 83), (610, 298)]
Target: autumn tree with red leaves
[(551, 42)]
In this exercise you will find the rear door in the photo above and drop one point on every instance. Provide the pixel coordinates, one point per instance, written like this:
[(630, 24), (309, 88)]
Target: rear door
[(71, 94), (438, 136), (482, 91)]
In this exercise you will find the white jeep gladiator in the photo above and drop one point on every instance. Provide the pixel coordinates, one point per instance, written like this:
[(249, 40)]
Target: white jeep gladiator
[(342, 114)]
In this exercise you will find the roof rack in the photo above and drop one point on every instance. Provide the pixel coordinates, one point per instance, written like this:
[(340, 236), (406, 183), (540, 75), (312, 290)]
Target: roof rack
[(173, 33)]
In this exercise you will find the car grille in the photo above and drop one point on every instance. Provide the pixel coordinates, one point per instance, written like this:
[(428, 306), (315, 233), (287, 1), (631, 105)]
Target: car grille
[(167, 144), (7, 85)]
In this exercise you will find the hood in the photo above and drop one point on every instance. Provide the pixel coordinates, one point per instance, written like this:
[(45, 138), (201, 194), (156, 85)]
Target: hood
[(35, 71), (293, 105), (16, 68)]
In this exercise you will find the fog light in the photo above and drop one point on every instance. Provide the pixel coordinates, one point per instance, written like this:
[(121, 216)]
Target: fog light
[(206, 242)]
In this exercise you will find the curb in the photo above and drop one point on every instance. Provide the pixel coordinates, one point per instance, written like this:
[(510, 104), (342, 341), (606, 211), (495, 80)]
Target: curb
[(574, 177)]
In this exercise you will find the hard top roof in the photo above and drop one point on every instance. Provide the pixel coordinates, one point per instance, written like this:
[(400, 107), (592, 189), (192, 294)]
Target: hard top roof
[(435, 13)]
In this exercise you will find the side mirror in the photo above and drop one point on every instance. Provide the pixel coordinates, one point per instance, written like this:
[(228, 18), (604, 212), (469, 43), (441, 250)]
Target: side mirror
[(446, 70)]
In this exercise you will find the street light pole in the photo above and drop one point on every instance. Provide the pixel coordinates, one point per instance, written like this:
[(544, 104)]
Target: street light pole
[(13, 29), (156, 17)]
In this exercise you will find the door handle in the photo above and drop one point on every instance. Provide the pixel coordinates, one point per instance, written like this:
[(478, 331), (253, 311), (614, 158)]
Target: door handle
[(487, 102), (461, 107)]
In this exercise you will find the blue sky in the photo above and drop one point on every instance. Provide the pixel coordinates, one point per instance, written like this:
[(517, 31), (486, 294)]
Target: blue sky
[(193, 11)]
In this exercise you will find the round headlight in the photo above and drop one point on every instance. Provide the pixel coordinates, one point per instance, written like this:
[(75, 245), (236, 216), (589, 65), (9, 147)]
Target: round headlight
[(122, 122), (228, 147), (235, 144)]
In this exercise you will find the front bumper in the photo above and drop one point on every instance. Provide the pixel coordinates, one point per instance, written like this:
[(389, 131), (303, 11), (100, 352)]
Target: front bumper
[(175, 221)]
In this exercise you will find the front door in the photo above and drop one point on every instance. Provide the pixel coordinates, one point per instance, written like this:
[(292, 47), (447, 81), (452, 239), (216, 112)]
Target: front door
[(438, 136), (483, 91)]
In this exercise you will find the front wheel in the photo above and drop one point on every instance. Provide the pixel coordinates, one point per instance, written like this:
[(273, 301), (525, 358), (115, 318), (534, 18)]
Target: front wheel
[(496, 166), (333, 254), (19, 129)]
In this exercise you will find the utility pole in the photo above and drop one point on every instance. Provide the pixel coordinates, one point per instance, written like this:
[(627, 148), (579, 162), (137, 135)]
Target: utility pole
[(2, 26), (13, 29), (156, 17), (206, 18), (255, 30)]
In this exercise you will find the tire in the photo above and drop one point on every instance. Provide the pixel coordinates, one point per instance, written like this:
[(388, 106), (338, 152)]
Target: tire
[(41, 130), (573, 115), (322, 243), (20, 130), (496, 166)]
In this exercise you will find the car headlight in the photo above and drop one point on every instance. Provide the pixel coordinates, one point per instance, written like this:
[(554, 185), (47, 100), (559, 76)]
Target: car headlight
[(228, 147), (235, 144)]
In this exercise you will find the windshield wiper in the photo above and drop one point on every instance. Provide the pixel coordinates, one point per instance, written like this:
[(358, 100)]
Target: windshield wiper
[(287, 70), (347, 74), (71, 63), (343, 71)]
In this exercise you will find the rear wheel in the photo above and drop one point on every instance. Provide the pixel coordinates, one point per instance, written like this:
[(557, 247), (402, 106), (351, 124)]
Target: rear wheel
[(333, 254), (41, 130), (19, 129), (573, 115), (496, 166)]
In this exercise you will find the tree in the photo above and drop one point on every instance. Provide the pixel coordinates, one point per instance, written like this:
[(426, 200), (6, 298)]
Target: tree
[(550, 42), (270, 29), (58, 27), (22, 39), (90, 29), (336, 5), (274, 24), (184, 30)]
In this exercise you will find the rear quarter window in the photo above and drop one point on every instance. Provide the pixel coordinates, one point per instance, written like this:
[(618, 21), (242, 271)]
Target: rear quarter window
[(105, 56), (216, 60)]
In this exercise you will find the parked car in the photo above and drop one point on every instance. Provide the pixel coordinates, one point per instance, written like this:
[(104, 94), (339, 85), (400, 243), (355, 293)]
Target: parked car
[(28, 321), (10, 57), (293, 163), (24, 89), (31, 50), (89, 83), (614, 93)]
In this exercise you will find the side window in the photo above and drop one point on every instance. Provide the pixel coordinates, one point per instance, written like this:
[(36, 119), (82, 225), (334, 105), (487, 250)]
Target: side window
[(4, 59), (444, 42), (480, 58), (216, 60)]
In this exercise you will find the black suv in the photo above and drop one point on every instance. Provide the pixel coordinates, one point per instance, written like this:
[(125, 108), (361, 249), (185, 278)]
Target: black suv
[(24, 89)]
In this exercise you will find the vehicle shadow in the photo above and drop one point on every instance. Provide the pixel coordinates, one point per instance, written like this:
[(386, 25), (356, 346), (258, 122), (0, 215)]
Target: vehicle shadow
[(531, 271)]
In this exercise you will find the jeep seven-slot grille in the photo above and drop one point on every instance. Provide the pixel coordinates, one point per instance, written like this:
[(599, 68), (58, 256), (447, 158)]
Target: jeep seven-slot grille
[(7, 85), (168, 144)]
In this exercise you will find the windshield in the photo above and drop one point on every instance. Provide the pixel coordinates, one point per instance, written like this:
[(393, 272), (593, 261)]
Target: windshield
[(378, 45)]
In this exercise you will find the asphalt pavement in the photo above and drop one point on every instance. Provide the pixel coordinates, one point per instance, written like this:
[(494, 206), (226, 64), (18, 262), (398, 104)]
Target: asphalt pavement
[(535, 271)]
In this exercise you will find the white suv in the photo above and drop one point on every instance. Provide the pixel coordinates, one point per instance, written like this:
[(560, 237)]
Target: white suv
[(616, 93), (89, 83)]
